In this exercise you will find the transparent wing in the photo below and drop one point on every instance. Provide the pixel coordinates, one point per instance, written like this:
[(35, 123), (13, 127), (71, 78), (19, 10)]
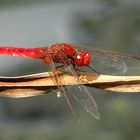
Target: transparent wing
[(80, 92), (60, 90), (107, 62), (82, 95)]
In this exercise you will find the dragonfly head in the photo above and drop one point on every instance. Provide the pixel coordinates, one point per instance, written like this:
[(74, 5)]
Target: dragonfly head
[(82, 58)]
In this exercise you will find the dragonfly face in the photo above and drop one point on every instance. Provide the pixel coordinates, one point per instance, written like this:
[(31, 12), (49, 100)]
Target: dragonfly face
[(82, 58)]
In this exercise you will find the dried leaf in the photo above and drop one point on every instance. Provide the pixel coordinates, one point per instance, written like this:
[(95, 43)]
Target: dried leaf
[(42, 83)]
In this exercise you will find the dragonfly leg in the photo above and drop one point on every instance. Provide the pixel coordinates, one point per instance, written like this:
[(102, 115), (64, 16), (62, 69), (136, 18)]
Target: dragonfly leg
[(60, 67), (94, 70), (79, 70)]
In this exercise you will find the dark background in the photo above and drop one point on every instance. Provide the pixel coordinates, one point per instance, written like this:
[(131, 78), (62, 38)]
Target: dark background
[(105, 24)]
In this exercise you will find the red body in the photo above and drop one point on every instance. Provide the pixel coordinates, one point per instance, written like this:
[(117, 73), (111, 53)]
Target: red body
[(63, 53), (57, 52)]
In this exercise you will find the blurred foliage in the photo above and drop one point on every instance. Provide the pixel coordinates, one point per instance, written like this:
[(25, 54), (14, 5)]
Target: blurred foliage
[(113, 25), (9, 3), (115, 28)]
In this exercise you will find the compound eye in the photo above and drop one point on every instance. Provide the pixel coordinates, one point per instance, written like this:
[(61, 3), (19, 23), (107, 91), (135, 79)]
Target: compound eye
[(78, 59), (86, 59), (82, 58)]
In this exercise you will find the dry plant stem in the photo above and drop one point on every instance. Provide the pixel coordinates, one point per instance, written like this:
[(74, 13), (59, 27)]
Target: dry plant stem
[(42, 83)]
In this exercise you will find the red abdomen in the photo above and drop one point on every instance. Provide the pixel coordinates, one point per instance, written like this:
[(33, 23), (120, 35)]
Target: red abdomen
[(24, 52)]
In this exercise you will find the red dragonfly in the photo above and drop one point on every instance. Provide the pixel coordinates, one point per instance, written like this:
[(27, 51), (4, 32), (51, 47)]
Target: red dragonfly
[(72, 58)]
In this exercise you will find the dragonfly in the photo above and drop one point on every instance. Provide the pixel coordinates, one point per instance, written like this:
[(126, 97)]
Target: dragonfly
[(71, 58)]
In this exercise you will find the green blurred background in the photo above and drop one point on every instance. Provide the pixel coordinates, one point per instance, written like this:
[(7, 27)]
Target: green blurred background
[(105, 24)]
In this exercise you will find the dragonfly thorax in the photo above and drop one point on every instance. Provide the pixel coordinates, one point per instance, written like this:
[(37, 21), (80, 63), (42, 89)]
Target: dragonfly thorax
[(82, 58), (65, 53)]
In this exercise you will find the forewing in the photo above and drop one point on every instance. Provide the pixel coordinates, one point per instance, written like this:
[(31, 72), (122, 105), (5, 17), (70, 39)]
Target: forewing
[(112, 63), (80, 92), (61, 89)]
